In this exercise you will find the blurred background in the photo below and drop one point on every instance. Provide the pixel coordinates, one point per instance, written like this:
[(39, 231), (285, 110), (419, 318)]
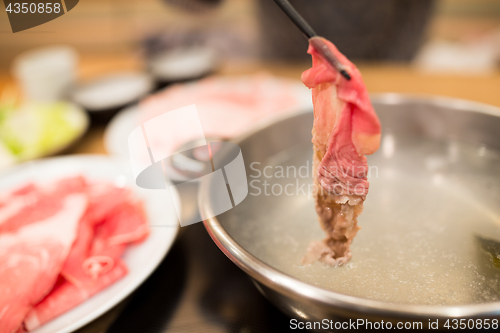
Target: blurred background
[(123, 31), (106, 55)]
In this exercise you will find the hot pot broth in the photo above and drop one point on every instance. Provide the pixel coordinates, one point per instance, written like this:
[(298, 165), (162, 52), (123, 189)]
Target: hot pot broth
[(429, 202)]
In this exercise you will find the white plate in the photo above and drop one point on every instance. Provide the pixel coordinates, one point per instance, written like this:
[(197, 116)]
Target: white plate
[(116, 136), (140, 259), (119, 128)]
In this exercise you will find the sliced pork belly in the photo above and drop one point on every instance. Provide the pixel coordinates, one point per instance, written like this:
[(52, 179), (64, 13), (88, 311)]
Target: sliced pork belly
[(61, 243), (113, 220), (32, 203), (31, 258), (346, 128), (104, 200), (127, 224), (66, 296)]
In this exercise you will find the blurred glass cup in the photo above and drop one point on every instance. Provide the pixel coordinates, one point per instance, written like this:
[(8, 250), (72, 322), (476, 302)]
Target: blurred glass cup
[(45, 74)]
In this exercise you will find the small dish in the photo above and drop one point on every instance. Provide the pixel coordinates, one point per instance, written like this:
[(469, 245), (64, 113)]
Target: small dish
[(39, 129), (182, 64), (105, 96)]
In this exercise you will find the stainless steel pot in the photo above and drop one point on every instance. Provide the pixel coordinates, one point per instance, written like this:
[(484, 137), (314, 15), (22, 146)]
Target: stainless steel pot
[(409, 123)]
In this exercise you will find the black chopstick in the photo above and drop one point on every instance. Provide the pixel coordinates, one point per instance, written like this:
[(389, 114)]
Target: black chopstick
[(318, 44), (296, 18)]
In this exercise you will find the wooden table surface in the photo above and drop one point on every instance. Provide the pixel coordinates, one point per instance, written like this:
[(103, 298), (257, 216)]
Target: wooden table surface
[(378, 78)]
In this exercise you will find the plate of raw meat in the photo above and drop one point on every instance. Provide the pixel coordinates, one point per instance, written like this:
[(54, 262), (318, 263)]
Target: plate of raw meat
[(227, 106), (76, 237)]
